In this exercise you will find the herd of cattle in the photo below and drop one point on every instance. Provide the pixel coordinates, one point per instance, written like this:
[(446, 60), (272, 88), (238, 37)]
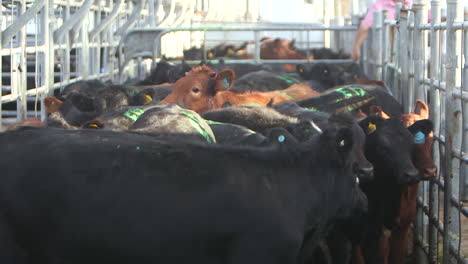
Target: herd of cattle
[(216, 163)]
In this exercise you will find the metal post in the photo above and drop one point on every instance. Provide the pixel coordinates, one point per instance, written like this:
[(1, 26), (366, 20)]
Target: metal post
[(464, 180), (385, 46), (418, 64), (396, 52), (21, 103), (420, 17), (84, 54), (1, 72), (435, 110), (377, 39), (453, 135), (404, 58), (411, 87), (257, 46)]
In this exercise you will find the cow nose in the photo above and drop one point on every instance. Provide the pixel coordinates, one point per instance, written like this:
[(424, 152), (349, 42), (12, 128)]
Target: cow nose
[(411, 176), (366, 173), (429, 173)]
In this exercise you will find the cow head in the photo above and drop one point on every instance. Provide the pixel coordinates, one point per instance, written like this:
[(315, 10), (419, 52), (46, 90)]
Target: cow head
[(421, 127), (338, 144), (389, 146), (362, 168), (327, 75), (197, 89)]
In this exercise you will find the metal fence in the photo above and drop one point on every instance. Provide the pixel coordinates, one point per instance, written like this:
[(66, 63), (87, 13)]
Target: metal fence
[(46, 44), (429, 61)]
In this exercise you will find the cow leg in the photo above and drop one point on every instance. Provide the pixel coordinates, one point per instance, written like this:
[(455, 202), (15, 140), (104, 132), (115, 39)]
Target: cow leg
[(339, 247), (10, 252), (357, 257), (398, 244)]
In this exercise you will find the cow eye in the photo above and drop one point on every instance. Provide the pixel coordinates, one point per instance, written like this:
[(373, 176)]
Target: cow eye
[(195, 89), (342, 143)]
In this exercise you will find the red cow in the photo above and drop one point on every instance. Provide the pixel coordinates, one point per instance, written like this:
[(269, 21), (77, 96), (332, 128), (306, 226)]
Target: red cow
[(280, 49), (202, 90)]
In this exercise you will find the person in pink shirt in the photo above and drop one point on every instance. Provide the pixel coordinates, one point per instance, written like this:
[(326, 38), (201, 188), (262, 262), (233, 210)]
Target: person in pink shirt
[(366, 23)]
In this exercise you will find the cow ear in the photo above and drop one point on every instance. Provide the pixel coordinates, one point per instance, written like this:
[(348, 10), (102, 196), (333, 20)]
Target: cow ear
[(344, 140), (225, 79), (292, 43), (52, 104), (421, 109), (425, 126), (300, 69), (93, 124), (371, 124), (376, 110), (145, 97)]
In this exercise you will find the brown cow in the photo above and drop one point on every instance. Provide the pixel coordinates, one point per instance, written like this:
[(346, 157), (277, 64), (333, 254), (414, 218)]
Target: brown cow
[(281, 49), (395, 246), (202, 90)]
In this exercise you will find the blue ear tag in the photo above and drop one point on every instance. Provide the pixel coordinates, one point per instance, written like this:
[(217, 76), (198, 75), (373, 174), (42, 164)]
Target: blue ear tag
[(419, 138), (225, 82), (281, 139)]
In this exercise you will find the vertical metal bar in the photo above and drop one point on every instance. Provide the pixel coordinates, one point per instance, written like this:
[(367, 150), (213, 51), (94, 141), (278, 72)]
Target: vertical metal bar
[(411, 87), (84, 54), (47, 58), (419, 93), (404, 58), (21, 103), (377, 37), (397, 53), (257, 46), (328, 5), (420, 17), (435, 117), (66, 52), (464, 181), (1, 71), (385, 46), (453, 134)]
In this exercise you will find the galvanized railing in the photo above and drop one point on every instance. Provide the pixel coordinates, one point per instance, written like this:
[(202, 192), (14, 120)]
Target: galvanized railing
[(46, 44), (429, 61)]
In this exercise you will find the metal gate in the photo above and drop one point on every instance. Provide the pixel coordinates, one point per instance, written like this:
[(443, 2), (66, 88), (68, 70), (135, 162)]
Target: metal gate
[(429, 61)]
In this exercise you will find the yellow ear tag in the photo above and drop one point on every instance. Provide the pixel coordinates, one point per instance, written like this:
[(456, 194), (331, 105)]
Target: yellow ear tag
[(210, 55), (93, 125), (371, 128), (229, 51), (147, 99), (301, 70)]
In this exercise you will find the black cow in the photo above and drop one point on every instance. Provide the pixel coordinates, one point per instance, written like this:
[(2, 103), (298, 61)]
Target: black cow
[(353, 98), (260, 119), (362, 168), (265, 81), (156, 120), (389, 146), (87, 88), (165, 72), (113, 197), (329, 75), (71, 113), (235, 134)]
